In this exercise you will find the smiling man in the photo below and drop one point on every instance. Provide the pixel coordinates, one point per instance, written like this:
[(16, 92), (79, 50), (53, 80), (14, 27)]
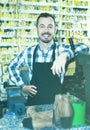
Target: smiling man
[(45, 60), (46, 30)]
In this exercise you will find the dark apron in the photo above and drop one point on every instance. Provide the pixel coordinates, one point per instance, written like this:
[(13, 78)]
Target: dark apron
[(48, 85)]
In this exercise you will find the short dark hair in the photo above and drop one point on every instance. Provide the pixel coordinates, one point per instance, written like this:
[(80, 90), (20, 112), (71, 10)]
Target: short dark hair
[(45, 15)]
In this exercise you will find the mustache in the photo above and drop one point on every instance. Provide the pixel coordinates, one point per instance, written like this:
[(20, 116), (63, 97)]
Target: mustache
[(46, 34)]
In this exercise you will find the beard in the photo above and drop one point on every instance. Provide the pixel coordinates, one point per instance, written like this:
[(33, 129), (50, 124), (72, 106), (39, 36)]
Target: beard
[(47, 39)]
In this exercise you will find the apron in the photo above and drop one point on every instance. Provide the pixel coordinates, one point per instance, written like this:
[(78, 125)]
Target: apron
[(48, 85)]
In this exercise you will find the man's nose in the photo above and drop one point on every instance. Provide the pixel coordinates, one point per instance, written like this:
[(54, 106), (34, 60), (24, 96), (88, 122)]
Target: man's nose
[(46, 29)]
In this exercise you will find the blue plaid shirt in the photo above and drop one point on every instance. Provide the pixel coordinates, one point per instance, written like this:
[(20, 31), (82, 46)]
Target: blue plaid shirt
[(25, 58)]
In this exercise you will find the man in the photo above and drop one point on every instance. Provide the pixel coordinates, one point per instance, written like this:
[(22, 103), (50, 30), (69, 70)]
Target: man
[(45, 62)]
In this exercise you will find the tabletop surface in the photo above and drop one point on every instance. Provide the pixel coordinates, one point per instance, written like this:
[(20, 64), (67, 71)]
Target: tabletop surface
[(41, 120)]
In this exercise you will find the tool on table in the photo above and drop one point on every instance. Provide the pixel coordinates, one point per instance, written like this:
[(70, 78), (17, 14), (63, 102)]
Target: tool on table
[(15, 100)]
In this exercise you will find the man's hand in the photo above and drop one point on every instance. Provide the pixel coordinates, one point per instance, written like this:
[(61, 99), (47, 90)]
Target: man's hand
[(59, 64), (31, 90)]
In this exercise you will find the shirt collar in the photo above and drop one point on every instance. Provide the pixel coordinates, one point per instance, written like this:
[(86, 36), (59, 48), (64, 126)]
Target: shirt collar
[(49, 48)]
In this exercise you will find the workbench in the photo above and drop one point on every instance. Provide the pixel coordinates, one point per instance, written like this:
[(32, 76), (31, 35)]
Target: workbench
[(41, 120)]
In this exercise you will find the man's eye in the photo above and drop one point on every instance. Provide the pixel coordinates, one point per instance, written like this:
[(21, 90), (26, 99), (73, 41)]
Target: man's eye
[(50, 26), (42, 26)]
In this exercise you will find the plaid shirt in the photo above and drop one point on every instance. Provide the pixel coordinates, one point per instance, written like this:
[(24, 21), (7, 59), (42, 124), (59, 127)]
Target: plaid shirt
[(25, 58)]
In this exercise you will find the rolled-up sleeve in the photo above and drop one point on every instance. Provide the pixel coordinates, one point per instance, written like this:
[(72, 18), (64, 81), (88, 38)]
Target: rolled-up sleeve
[(13, 70), (81, 48), (66, 49)]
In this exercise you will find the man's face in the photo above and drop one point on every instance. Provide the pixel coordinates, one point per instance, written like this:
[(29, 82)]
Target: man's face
[(46, 29)]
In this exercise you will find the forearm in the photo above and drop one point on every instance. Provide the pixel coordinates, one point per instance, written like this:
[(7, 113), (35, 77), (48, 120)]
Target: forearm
[(66, 55)]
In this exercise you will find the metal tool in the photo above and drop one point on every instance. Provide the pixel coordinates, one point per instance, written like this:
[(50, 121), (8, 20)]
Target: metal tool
[(62, 77), (15, 100)]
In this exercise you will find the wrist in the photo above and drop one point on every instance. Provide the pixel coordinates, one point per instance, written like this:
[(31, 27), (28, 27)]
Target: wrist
[(64, 55)]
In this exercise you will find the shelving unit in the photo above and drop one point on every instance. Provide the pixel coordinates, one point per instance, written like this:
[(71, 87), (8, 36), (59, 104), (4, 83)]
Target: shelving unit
[(17, 26), (18, 19), (75, 17)]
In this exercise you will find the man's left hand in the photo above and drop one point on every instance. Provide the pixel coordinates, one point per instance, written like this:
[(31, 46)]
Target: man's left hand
[(58, 66)]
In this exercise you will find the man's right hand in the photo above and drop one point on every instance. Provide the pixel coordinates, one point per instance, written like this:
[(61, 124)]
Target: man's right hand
[(31, 90)]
